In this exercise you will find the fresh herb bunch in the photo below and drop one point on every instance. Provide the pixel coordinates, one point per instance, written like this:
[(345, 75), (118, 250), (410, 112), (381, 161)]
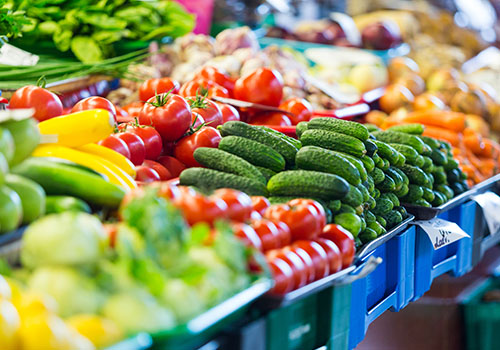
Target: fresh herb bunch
[(89, 28), (11, 22)]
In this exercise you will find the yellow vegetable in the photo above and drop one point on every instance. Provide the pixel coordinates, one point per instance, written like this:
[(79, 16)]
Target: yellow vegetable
[(100, 331), (99, 164), (10, 324), (111, 155), (78, 129), (48, 331), (30, 304)]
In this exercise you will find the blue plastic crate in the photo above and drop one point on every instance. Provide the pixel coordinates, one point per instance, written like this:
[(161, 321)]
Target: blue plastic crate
[(455, 258), (389, 286)]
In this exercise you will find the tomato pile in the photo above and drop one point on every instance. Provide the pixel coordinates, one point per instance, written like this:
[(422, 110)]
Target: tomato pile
[(298, 245)]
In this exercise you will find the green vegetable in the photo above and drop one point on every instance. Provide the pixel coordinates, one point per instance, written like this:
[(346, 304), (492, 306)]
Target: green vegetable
[(377, 175), (235, 128), (367, 235), (377, 227), (371, 147), (387, 185), (439, 175), (383, 207), (334, 205), (381, 221), (415, 175), (300, 128), (392, 197), (402, 192), (446, 190), (217, 159), (253, 151), (415, 192), (368, 163), (402, 138), (354, 197), (393, 218), (357, 163), (387, 152), (408, 151), (60, 204), (267, 173), (307, 183), (423, 203), (320, 159), (369, 217), (351, 222), (428, 194), (428, 166), (209, 179), (415, 129), (394, 175), (333, 141), (282, 136), (433, 143), (68, 238), (438, 157), (346, 208), (372, 127), (439, 199), (353, 129), (32, 196)]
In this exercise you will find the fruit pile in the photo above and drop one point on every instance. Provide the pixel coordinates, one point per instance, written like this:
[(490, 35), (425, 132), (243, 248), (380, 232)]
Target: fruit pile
[(451, 111)]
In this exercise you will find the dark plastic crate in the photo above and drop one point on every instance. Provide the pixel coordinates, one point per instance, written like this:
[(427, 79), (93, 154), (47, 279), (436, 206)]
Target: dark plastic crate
[(482, 319), (389, 286), (455, 258)]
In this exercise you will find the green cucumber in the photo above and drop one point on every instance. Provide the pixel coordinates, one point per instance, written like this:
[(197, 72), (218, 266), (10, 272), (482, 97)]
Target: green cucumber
[(439, 175), (393, 218), (368, 163), (371, 147), (408, 151), (392, 197), (333, 141), (300, 128), (388, 185), (414, 129), (334, 205), (432, 143), (377, 175), (254, 152), (387, 152), (354, 197), (369, 217), (378, 228), (351, 222), (320, 159), (416, 175), (381, 221), (446, 190), (367, 235), (402, 138), (423, 203), (415, 192), (296, 143), (236, 128), (439, 199), (402, 211), (398, 180), (346, 127), (267, 173), (383, 207), (217, 159), (372, 127), (308, 183), (60, 204), (438, 157), (428, 194), (208, 179)]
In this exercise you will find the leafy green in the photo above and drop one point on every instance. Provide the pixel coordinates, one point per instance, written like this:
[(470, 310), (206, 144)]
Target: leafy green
[(89, 28)]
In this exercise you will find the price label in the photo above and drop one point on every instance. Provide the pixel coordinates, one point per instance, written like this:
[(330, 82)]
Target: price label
[(441, 232), (490, 202)]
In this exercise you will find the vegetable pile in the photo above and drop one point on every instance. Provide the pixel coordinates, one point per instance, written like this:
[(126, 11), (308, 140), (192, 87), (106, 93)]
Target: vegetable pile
[(89, 28)]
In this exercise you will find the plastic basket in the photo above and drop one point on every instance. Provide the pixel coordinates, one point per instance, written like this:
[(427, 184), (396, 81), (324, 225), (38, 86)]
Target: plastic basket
[(482, 319), (390, 286), (455, 258)]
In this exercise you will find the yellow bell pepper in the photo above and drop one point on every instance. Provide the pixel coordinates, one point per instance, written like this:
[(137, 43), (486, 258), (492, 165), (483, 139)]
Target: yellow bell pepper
[(111, 155), (78, 129), (115, 175)]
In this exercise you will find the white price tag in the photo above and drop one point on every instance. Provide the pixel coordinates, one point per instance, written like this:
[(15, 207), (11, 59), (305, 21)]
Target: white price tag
[(13, 56), (490, 202), (441, 232)]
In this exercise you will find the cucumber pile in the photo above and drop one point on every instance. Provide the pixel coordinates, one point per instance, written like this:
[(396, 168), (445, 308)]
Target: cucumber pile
[(360, 175), (247, 158)]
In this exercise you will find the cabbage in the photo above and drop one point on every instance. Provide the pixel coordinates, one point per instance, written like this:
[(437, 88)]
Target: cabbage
[(68, 238), (182, 299), (137, 311), (74, 292)]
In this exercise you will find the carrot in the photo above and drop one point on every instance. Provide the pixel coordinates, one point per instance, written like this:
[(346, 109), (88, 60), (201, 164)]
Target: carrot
[(488, 167), (443, 134), (489, 150), (473, 141), (454, 121)]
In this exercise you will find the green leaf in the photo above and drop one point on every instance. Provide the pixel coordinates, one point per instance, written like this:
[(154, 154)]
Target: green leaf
[(62, 39), (86, 49)]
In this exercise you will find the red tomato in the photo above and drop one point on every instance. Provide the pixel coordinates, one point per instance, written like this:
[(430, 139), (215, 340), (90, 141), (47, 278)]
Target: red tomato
[(239, 204), (255, 215), (263, 86), (160, 169), (135, 146), (301, 109), (208, 110), (311, 202), (268, 233), (198, 208), (318, 256), (169, 114), (306, 259), (133, 109), (196, 120), (344, 241), (116, 145), (203, 87), (146, 174), (152, 87), (229, 113), (283, 276), (151, 138), (173, 165), (260, 204), (271, 118), (300, 273), (205, 137), (95, 102), (247, 234), (218, 77), (168, 190), (333, 253), (284, 233), (46, 104), (303, 220)]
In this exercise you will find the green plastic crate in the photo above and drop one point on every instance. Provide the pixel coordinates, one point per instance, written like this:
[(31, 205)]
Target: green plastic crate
[(340, 303), (482, 319)]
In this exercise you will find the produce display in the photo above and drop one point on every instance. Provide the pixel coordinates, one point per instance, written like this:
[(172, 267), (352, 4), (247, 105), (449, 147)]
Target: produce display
[(451, 111), (145, 210)]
